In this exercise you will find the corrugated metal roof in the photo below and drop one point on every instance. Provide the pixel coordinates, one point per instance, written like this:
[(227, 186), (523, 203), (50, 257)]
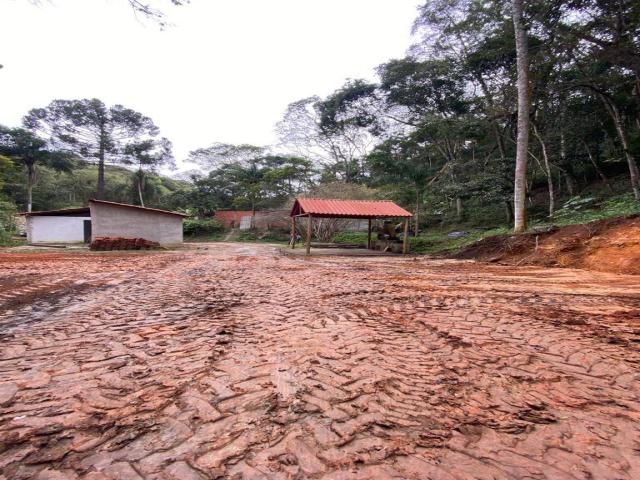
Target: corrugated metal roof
[(321, 207), (138, 207), (58, 213)]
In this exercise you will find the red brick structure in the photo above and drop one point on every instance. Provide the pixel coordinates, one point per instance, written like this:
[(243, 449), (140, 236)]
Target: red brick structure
[(262, 220), (231, 218)]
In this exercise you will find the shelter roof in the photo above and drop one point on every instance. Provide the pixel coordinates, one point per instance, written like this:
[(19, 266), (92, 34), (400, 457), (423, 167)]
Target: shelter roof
[(330, 208)]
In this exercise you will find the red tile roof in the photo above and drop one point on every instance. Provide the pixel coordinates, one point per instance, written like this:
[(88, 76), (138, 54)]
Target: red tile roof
[(320, 207), (138, 207)]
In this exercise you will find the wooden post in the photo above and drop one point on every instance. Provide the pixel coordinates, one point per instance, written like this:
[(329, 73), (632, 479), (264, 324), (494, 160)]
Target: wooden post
[(293, 232), (309, 235), (405, 240), (369, 236)]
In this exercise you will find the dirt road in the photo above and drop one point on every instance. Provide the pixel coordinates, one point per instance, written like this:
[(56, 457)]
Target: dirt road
[(236, 362)]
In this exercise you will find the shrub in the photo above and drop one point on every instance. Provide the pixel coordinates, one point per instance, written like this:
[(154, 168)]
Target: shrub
[(7, 224), (269, 236), (196, 228), (359, 238)]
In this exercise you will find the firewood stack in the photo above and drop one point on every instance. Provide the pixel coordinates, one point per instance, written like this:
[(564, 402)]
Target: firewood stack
[(121, 243)]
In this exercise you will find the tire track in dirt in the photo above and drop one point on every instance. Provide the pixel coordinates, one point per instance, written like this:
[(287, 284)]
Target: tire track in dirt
[(239, 363)]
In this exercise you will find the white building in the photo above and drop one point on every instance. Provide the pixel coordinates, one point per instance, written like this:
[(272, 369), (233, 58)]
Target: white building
[(59, 226), (104, 219)]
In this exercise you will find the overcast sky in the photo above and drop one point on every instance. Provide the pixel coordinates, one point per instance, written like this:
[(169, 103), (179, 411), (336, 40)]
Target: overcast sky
[(224, 72)]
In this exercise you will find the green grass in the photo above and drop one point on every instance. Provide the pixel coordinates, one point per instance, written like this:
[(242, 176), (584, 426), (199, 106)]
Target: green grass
[(8, 240), (437, 240), (359, 238), (264, 237), (430, 240), (587, 209)]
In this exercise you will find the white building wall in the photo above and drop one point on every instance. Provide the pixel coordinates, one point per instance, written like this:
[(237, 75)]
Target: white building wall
[(42, 229)]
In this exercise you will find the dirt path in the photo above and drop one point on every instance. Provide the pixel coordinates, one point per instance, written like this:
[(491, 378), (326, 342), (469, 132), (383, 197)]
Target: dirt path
[(235, 362)]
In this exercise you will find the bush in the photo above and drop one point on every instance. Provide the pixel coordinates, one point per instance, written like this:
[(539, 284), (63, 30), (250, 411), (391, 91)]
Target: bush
[(197, 228), (7, 224), (583, 210), (358, 238), (270, 236)]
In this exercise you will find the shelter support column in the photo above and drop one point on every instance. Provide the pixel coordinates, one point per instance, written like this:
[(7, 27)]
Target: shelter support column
[(369, 235), (293, 232), (405, 239), (309, 234)]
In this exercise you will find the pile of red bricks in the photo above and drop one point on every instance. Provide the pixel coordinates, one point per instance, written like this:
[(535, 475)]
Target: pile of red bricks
[(121, 243)]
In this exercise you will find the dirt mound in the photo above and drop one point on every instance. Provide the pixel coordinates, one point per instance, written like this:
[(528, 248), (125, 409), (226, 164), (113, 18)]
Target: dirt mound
[(122, 243), (611, 245)]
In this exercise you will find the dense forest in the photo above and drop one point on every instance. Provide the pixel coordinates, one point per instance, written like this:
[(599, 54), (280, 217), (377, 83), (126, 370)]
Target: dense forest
[(501, 112)]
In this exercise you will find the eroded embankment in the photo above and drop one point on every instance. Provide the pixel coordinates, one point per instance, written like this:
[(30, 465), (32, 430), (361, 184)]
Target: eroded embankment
[(611, 245)]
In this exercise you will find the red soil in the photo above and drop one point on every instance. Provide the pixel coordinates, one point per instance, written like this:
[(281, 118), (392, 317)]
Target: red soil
[(236, 362), (611, 245)]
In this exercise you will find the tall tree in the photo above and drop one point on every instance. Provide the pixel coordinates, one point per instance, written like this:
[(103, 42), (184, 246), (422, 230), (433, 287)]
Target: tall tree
[(219, 154), (91, 130), (309, 130), (404, 161), (148, 155), (522, 142), (262, 182), (23, 147)]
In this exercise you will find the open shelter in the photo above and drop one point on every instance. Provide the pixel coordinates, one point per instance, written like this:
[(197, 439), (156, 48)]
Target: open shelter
[(353, 209)]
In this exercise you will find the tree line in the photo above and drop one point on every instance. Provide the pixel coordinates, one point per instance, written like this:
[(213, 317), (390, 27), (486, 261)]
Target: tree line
[(69, 136), (494, 97), (493, 103)]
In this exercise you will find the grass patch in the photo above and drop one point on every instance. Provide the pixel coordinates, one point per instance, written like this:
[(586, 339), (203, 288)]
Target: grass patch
[(202, 227), (430, 240), (589, 209), (259, 236), (8, 240), (439, 241), (359, 238)]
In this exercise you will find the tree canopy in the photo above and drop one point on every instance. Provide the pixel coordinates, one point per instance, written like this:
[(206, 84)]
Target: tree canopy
[(498, 112)]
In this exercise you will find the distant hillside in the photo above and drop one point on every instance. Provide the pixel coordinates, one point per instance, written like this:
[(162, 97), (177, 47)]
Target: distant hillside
[(61, 189)]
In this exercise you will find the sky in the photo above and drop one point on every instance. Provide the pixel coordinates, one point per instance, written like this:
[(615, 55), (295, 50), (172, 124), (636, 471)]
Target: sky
[(224, 71)]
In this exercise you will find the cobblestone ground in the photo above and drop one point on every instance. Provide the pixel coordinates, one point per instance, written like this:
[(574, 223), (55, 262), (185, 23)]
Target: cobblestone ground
[(236, 362)]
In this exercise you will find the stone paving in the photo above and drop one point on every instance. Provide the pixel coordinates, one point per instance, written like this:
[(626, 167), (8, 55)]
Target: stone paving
[(237, 362)]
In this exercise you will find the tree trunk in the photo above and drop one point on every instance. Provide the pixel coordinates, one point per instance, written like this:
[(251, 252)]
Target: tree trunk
[(547, 170), (622, 136), (508, 211), (31, 180), (600, 173), (101, 155), (140, 179), (522, 142), (416, 215), (459, 209), (571, 182)]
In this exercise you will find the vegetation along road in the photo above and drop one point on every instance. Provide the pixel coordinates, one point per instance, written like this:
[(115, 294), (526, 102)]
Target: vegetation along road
[(234, 361)]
